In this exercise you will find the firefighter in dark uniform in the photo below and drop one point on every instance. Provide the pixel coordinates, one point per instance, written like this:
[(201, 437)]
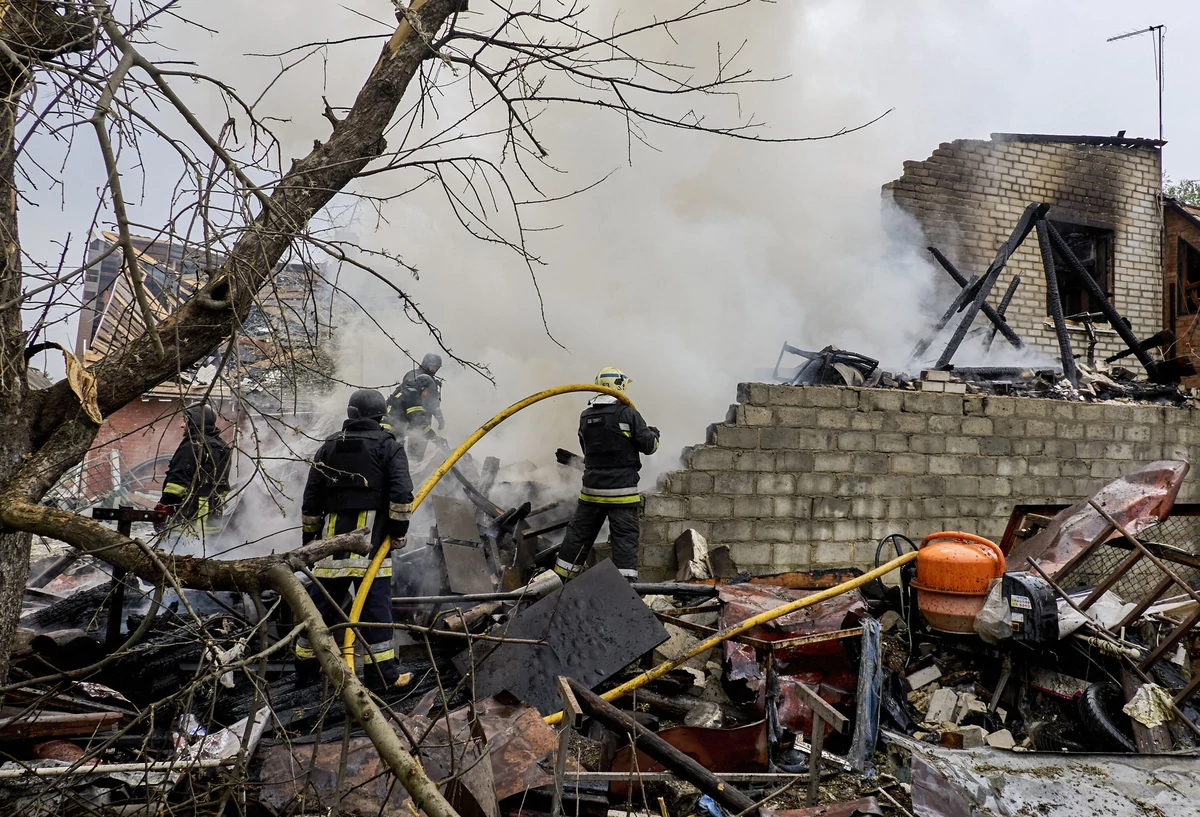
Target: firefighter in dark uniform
[(198, 477), (415, 404), (612, 435), (359, 478)]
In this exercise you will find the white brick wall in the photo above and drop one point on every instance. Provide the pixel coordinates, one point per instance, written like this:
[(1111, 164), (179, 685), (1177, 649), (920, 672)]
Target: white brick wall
[(968, 195)]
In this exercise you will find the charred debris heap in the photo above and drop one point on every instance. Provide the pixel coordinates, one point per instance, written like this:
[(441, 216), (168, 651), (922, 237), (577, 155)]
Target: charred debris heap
[(1068, 645), (1079, 377)]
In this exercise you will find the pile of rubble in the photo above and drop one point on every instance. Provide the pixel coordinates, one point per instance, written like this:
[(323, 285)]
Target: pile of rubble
[(950, 689)]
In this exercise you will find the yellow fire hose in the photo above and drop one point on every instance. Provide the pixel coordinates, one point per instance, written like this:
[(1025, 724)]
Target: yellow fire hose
[(741, 627), (360, 598)]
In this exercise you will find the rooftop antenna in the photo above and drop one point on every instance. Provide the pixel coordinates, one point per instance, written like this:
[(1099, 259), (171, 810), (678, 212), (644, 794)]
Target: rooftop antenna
[(1159, 34)]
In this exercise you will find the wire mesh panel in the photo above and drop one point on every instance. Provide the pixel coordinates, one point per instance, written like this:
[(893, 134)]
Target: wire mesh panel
[(1179, 531)]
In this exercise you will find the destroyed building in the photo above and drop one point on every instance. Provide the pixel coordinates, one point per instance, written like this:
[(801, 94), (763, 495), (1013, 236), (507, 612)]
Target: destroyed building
[(1105, 197), (280, 343)]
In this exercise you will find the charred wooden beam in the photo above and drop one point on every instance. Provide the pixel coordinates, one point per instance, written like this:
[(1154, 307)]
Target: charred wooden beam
[(995, 317), (1054, 304)]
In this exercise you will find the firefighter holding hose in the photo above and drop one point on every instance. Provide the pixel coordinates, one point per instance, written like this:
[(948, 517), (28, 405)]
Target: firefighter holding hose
[(613, 436), (359, 478)]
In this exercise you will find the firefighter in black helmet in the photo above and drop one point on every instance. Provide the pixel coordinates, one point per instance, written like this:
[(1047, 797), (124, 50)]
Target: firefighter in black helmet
[(197, 479), (415, 404), (612, 435), (359, 478)]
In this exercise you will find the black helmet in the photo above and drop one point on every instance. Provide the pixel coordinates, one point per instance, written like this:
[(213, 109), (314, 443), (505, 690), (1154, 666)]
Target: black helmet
[(201, 415), (431, 362), (366, 403)]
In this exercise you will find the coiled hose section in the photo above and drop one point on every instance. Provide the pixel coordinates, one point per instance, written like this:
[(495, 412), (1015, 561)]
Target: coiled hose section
[(360, 598)]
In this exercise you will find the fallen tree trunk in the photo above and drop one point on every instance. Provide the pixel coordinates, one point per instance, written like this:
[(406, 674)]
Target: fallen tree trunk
[(357, 699)]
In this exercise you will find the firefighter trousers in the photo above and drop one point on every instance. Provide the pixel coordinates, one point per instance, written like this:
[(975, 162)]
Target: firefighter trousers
[(624, 529), (379, 663)]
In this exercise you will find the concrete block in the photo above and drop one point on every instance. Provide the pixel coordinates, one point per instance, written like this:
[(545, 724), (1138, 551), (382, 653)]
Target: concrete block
[(1027, 487), (855, 441), (835, 462), (870, 463), (676, 527), (945, 464), (754, 461), (656, 557), (940, 507), (1071, 430), (793, 556), (868, 508), (979, 466), (941, 706), (956, 388), (727, 436), (733, 482), (696, 482), (888, 442), (815, 484), (826, 396), (795, 416), (752, 415), (995, 446), (792, 507), (828, 507), (977, 426), (1016, 466), (964, 737), (776, 438), (962, 486), (1099, 431), (866, 421), (851, 530), (933, 386), (664, 506), (787, 396), (710, 507), (910, 463), (815, 531), (835, 419), (709, 458), (745, 553), (935, 376), (905, 423), (1032, 407), (1008, 426), (833, 553), (924, 677), (927, 486), (927, 444), (775, 484), (752, 506), (1119, 451), (1041, 428), (889, 486), (794, 461), (1000, 406), (773, 530), (1001, 740), (1033, 446), (885, 400), (755, 393), (732, 530)]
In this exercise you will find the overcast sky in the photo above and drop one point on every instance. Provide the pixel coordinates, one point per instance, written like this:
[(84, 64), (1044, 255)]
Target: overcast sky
[(703, 257)]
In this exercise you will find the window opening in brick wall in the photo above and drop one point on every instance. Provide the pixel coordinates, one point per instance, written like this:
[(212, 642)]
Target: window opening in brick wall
[(1093, 247), (1189, 278)]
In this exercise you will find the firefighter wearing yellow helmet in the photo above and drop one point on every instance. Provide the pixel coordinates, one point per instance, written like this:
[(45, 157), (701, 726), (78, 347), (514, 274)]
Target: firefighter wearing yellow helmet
[(613, 437)]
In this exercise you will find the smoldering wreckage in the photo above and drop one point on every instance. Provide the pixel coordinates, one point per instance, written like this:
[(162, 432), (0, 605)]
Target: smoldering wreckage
[(1052, 672)]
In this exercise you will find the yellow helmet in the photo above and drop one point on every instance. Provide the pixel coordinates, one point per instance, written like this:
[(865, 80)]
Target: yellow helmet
[(613, 378)]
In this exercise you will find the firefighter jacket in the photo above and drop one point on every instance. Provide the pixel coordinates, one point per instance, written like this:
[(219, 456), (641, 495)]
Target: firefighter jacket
[(613, 435), (412, 411), (359, 478), (198, 477)]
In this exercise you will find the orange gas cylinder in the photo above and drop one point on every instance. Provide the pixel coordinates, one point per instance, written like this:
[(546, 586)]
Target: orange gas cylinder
[(954, 570)]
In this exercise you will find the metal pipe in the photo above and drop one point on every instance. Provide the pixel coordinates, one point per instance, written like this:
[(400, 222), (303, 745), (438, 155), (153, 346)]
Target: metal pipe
[(114, 768), (1054, 304)]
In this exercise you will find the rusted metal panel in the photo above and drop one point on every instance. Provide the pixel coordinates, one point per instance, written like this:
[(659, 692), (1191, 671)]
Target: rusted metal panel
[(1137, 501), (518, 739), (742, 749), (798, 658)]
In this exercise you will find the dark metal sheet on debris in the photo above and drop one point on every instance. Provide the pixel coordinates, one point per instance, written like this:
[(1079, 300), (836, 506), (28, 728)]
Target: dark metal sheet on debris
[(467, 569), (455, 519), (592, 628), (518, 739)]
